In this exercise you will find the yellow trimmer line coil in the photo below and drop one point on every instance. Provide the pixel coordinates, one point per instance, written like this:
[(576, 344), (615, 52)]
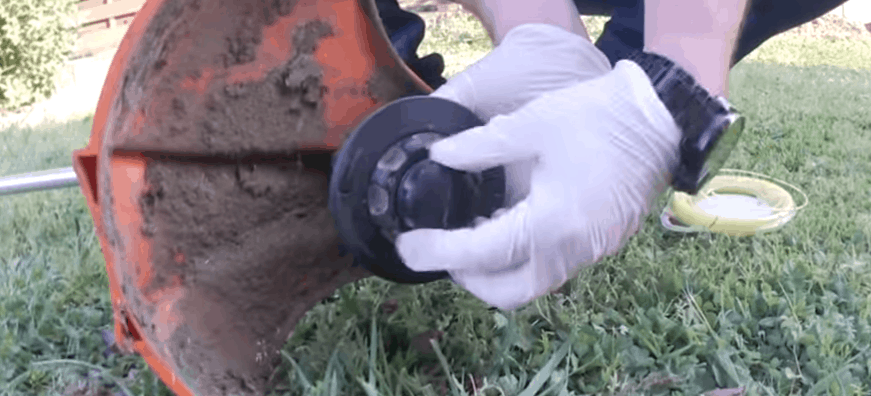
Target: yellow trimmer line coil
[(734, 203)]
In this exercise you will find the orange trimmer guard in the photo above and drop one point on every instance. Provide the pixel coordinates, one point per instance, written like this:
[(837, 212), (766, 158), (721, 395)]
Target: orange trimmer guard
[(207, 170)]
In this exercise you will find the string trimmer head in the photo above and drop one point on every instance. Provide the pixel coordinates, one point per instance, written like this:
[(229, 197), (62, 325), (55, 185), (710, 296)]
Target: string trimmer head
[(383, 183)]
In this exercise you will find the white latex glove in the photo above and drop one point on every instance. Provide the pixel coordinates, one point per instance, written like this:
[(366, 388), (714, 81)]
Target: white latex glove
[(602, 151), (501, 16), (531, 59)]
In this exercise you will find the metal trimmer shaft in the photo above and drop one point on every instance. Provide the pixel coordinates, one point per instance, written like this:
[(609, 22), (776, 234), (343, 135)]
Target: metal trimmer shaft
[(38, 181)]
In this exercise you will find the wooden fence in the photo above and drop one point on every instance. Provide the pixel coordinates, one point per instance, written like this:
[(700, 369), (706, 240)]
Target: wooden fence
[(102, 24)]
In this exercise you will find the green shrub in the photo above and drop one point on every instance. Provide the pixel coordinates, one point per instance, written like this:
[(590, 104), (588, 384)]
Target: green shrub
[(36, 37)]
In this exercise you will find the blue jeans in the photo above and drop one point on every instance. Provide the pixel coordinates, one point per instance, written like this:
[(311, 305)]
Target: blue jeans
[(623, 33), (765, 18)]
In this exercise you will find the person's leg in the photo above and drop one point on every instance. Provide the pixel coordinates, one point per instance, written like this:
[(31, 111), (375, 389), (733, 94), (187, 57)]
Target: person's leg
[(406, 29), (767, 18), (624, 31)]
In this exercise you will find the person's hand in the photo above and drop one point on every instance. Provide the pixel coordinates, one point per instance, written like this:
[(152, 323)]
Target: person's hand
[(602, 151), (531, 60), (501, 16)]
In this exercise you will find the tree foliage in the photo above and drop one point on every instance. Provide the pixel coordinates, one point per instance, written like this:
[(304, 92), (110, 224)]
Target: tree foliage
[(36, 37)]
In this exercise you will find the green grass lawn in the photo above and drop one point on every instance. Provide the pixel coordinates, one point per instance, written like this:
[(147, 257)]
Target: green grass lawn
[(788, 313)]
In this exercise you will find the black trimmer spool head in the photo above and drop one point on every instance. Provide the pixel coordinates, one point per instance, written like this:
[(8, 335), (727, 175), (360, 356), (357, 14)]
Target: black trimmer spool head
[(383, 183)]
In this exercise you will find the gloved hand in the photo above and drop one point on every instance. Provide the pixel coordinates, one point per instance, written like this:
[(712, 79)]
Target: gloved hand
[(500, 16), (531, 59), (602, 151)]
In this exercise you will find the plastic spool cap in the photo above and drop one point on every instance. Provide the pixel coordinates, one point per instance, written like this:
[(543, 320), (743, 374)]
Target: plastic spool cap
[(735, 204)]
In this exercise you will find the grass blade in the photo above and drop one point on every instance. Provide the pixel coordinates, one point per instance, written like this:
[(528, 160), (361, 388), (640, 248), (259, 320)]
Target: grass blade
[(306, 384), (334, 386), (456, 387), (542, 376), (368, 388), (373, 348)]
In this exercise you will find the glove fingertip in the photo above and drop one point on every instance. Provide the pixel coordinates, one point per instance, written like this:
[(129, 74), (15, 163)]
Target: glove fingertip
[(447, 92), (451, 152), (456, 90), (415, 248), (478, 285), (480, 148), (444, 150), (407, 245)]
